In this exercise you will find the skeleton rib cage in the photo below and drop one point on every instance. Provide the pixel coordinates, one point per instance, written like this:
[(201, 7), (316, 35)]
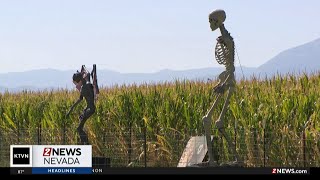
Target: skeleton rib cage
[(224, 54)]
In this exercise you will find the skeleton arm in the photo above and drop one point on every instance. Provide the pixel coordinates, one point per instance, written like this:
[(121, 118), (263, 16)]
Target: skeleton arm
[(74, 105)]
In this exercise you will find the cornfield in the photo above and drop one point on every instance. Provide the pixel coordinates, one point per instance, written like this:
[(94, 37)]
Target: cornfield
[(279, 112)]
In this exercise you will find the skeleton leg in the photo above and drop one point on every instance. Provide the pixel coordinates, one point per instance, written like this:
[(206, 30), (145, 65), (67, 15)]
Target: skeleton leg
[(220, 121), (82, 135), (207, 128), (83, 118)]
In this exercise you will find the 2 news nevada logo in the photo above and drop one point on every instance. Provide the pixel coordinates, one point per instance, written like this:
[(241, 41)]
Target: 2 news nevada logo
[(21, 156), (62, 156)]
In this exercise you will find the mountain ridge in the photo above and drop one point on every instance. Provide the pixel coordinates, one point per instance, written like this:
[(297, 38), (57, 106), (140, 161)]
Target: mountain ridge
[(302, 58)]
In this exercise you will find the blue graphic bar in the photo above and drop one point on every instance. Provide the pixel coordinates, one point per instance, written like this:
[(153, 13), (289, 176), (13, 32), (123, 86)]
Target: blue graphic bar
[(62, 170)]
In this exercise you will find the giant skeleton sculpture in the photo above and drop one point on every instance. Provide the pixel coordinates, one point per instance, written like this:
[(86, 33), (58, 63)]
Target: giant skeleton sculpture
[(89, 92), (224, 53)]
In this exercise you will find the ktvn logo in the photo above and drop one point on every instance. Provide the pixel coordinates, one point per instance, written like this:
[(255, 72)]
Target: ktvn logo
[(20, 155)]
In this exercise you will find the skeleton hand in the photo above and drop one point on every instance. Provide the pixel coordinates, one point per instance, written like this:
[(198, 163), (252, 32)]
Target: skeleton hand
[(219, 88), (206, 119), (70, 110), (68, 113), (219, 124)]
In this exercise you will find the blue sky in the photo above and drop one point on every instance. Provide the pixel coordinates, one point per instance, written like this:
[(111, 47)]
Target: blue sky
[(147, 35)]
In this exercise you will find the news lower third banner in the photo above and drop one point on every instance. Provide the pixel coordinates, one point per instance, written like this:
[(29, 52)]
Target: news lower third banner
[(52, 159)]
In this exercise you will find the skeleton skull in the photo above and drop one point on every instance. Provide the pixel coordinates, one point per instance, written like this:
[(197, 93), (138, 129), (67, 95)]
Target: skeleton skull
[(216, 19)]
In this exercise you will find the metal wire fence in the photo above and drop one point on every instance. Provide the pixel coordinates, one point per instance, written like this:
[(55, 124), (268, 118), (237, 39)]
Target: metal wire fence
[(136, 148)]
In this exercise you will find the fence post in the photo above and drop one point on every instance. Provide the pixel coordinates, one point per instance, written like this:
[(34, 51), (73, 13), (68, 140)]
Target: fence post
[(264, 147), (39, 133), (18, 131), (130, 144), (145, 145), (235, 135), (304, 147), (64, 133), (256, 153)]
